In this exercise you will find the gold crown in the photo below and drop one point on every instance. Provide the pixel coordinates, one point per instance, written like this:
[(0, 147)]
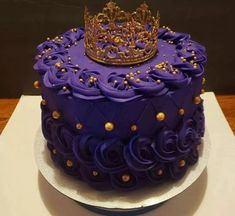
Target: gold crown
[(121, 38)]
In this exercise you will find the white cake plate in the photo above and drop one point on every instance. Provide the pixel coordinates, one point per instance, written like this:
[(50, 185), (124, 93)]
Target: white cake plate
[(113, 200)]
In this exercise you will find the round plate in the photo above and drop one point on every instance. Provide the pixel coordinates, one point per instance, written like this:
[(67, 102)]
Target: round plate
[(115, 200)]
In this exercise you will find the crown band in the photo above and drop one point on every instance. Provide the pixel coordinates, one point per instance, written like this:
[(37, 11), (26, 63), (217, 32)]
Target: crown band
[(117, 37)]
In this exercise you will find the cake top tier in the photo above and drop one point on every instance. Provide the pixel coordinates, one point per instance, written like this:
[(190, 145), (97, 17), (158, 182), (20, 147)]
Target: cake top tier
[(64, 67), (117, 37)]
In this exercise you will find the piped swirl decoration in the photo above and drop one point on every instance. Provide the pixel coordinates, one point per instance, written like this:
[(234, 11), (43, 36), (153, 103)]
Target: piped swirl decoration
[(113, 163), (64, 67)]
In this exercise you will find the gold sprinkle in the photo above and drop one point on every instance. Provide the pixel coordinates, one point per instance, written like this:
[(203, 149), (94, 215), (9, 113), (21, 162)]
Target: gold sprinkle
[(95, 173), (138, 72), (43, 102), (134, 128), (65, 88), (126, 82), (36, 84), (48, 39), (39, 56), (182, 163), (181, 111), (158, 81), (69, 163), (54, 151), (160, 116), (126, 178), (109, 126), (49, 57), (79, 126), (202, 91), (160, 172), (63, 70), (55, 115), (137, 80), (197, 100)]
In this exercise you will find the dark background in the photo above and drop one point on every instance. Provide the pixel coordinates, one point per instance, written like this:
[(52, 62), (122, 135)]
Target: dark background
[(26, 23)]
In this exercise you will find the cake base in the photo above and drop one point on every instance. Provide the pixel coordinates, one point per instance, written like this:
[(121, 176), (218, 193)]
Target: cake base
[(115, 200)]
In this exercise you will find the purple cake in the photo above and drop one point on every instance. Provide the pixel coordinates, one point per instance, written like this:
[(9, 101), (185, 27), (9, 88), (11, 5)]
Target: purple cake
[(121, 106)]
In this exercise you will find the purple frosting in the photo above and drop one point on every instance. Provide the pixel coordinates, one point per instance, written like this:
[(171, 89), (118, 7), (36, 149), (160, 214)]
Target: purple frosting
[(92, 94), (68, 49)]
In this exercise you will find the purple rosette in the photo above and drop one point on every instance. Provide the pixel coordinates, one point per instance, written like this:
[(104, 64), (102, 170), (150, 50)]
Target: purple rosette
[(114, 88), (175, 171), (74, 169), (187, 137), (169, 78), (85, 85), (139, 154), (95, 177), (147, 85), (165, 146), (47, 61), (176, 37), (157, 174), (109, 156), (48, 46), (47, 125), (199, 121), (62, 139), (56, 79), (84, 148), (118, 183)]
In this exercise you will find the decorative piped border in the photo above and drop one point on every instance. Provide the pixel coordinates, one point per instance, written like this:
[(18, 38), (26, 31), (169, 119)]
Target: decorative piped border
[(55, 65)]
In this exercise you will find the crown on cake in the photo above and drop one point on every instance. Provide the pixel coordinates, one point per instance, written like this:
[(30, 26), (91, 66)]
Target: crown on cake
[(117, 37)]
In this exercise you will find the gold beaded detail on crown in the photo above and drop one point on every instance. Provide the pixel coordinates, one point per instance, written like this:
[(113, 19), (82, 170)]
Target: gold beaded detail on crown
[(117, 37)]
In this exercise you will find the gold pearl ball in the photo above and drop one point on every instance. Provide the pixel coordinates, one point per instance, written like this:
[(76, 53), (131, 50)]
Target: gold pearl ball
[(158, 81), (197, 100), (55, 115), (126, 178), (95, 173), (134, 128), (43, 102), (181, 111), (109, 126), (54, 151), (182, 163), (36, 84), (64, 88), (160, 172), (79, 126), (69, 163), (160, 116)]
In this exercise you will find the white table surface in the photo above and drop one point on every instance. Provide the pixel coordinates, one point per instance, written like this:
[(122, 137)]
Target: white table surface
[(24, 191)]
